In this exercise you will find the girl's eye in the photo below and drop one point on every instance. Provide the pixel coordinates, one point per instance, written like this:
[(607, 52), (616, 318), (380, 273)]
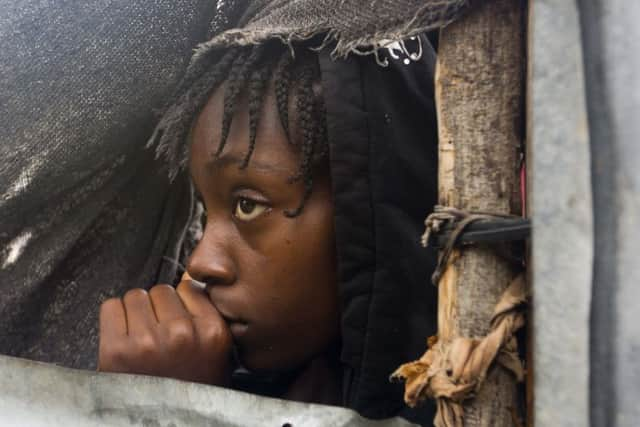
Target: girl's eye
[(247, 209)]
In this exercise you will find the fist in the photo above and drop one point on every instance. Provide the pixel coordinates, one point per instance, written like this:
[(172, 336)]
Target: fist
[(165, 332)]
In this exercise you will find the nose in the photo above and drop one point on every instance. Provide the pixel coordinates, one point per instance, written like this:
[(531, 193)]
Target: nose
[(211, 262)]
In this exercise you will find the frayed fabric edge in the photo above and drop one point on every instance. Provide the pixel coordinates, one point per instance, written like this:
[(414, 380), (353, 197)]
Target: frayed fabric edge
[(366, 45), (343, 46)]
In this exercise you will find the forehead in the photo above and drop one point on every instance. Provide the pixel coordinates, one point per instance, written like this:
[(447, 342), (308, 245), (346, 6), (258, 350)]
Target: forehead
[(271, 147)]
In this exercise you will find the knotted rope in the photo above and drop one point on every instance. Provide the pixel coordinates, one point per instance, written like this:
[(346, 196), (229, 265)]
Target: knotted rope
[(462, 220), (453, 371)]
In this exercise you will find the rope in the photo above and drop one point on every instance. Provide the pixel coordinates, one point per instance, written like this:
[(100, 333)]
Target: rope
[(461, 220), (452, 372)]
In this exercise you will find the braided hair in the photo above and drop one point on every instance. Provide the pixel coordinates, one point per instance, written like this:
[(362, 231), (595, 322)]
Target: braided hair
[(248, 70)]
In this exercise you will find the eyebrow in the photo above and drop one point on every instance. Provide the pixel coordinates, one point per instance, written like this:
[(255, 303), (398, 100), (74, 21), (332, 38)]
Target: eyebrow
[(230, 160)]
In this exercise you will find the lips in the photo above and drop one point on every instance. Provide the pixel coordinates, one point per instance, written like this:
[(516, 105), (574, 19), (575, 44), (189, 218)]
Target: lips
[(238, 329), (229, 318), (237, 326)]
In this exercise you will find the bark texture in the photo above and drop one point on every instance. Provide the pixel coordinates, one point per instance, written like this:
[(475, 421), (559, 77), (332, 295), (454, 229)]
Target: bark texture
[(479, 96)]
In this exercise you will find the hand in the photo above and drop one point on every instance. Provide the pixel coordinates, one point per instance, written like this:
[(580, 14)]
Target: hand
[(165, 332)]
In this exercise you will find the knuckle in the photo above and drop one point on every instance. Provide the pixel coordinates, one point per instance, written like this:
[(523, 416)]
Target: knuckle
[(110, 301), (162, 289), (108, 304), (213, 334), (135, 294), (146, 345), (180, 334)]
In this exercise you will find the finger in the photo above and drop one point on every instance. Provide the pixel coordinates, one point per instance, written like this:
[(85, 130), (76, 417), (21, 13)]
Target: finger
[(139, 311), (196, 301), (113, 319), (166, 304)]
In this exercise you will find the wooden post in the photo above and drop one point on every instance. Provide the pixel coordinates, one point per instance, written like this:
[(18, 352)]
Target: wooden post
[(479, 97)]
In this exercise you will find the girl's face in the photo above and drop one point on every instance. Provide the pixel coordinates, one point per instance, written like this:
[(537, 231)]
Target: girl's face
[(273, 278)]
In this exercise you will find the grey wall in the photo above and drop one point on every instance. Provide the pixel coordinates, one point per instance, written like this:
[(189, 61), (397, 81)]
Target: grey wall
[(561, 207), (611, 36), (584, 122)]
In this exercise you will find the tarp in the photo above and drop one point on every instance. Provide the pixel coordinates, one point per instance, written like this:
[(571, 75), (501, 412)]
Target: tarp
[(584, 75), (37, 394), (85, 212)]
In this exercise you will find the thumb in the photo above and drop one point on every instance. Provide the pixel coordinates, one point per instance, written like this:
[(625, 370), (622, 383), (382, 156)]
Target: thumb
[(193, 282)]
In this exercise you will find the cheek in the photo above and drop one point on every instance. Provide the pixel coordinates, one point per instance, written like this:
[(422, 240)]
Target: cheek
[(311, 265), (302, 284), (297, 312)]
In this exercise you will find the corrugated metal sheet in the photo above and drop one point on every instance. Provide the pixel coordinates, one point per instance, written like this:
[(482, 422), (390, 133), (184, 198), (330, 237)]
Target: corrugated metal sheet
[(585, 195), (562, 213), (36, 394), (611, 36)]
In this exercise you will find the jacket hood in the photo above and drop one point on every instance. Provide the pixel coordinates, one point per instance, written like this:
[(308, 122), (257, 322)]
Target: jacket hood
[(383, 154)]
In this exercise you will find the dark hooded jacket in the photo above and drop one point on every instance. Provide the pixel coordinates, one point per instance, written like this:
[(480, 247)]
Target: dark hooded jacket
[(382, 135), (383, 154)]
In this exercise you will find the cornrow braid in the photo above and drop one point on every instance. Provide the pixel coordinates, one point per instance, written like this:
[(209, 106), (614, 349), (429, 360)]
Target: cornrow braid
[(253, 68), (235, 82), (257, 86), (323, 137), (305, 105), (176, 121), (205, 62), (282, 83)]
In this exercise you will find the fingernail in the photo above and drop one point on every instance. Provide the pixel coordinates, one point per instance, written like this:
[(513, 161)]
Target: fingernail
[(198, 285)]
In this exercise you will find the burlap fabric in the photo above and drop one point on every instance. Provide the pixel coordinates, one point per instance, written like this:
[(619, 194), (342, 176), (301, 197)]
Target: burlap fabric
[(350, 25), (85, 211)]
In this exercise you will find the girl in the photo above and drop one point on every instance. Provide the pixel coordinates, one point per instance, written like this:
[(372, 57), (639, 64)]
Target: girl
[(315, 176)]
